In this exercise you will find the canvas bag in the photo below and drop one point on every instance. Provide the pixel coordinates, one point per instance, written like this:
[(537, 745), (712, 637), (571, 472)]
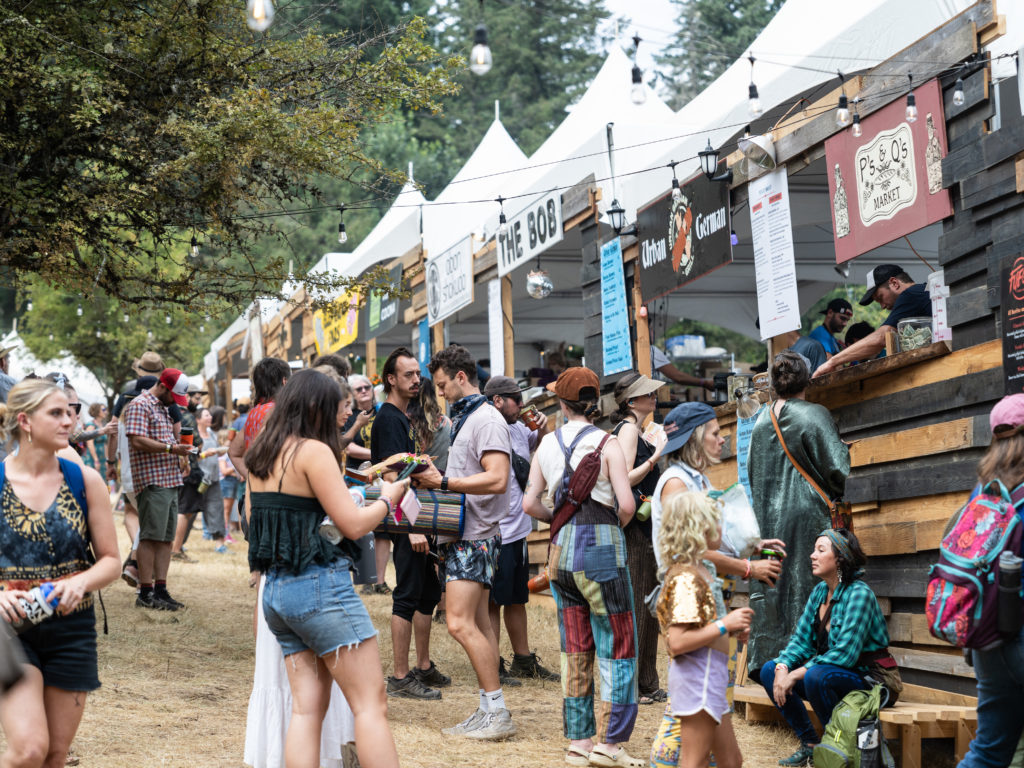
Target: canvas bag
[(576, 483), (962, 597), (840, 512), (853, 736)]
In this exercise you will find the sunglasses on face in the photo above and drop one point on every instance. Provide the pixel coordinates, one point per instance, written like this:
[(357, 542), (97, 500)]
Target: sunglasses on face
[(76, 407), (362, 389)]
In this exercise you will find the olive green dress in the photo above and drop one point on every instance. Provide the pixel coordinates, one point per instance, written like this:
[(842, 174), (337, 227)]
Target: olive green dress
[(788, 508)]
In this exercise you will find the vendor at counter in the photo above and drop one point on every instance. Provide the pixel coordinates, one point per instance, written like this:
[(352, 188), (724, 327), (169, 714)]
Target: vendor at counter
[(837, 314), (894, 290)]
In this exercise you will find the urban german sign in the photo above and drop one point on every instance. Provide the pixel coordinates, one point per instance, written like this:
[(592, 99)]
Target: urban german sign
[(530, 232), (888, 183), (381, 313), (684, 238), (450, 281)]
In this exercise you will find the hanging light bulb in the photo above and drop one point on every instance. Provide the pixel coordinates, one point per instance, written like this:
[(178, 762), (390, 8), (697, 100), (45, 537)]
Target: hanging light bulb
[(167, 319), (51, 337), (124, 317), (99, 335), (676, 191), (958, 93), (194, 247), (480, 59), (843, 112), (149, 335), (202, 328), (28, 306), (342, 234), (502, 221), (79, 311), (754, 103), (637, 93), (856, 126), (259, 14), (911, 102)]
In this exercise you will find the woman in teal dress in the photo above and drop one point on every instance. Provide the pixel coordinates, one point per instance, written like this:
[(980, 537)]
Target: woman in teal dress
[(785, 504)]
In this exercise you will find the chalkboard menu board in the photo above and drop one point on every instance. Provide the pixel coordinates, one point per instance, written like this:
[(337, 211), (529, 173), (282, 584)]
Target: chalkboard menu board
[(1012, 315)]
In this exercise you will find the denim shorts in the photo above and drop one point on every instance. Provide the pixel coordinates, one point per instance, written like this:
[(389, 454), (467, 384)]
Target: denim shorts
[(232, 488), (316, 610), (470, 560), (64, 650)]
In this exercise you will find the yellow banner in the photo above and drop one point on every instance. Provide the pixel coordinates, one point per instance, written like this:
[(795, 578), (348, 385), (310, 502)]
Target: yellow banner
[(337, 327)]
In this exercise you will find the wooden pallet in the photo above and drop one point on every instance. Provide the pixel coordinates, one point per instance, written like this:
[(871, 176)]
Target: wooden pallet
[(908, 721)]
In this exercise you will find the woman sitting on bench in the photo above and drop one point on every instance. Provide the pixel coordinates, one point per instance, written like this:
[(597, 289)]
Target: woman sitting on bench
[(840, 638)]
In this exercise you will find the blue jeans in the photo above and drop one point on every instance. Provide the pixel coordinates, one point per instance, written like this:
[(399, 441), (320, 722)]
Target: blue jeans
[(824, 686), (1000, 674)]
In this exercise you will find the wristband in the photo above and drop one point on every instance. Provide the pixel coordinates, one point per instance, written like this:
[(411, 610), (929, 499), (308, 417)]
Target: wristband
[(747, 574), (721, 627), (444, 484), (167, 448), (387, 505)]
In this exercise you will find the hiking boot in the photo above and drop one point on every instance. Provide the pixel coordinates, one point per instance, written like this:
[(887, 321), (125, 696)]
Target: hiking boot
[(130, 573), (409, 687), (803, 756), (504, 677), (149, 601), (494, 727), (367, 589), (432, 677), (470, 723), (529, 666)]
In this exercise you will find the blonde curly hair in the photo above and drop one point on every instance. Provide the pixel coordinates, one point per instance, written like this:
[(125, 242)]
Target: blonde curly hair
[(689, 519)]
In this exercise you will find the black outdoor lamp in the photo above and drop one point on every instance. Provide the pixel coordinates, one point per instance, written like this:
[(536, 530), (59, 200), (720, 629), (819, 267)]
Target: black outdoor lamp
[(709, 164), (617, 216)]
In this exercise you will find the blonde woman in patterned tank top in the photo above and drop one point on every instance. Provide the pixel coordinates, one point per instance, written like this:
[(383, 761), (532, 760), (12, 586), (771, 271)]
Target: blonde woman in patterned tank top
[(697, 720), (46, 536)]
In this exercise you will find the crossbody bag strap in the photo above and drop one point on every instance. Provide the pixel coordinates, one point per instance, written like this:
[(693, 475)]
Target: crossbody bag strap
[(801, 470)]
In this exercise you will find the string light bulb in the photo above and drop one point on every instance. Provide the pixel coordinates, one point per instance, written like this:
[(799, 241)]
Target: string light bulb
[(502, 221), (637, 93), (911, 114), (843, 112), (480, 59), (79, 311), (856, 119), (259, 14), (167, 319), (51, 337), (194, 247), (754, 101), (958, 93), (99, 334), (124, 317), (342, 234), (28, 306), (676, 191)]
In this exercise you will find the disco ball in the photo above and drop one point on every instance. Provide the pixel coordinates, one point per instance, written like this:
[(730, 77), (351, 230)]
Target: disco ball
[(538, 284)]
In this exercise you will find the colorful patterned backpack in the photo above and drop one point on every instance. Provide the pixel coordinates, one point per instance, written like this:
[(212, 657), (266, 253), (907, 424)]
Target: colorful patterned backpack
[(962, 591)]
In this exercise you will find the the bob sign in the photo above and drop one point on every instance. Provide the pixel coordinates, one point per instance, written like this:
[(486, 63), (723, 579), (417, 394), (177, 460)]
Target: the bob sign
[(530, 232), (684, 238), (888, 183)]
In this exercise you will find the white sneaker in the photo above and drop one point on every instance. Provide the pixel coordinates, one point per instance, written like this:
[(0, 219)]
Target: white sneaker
[(467, 725), (495, 727)]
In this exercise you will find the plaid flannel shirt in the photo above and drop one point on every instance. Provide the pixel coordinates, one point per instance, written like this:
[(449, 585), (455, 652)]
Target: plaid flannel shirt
[(147, 416), (857, 626)]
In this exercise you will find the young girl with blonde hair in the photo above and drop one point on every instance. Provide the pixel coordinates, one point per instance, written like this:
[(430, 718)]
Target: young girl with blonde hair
[(693, 618)]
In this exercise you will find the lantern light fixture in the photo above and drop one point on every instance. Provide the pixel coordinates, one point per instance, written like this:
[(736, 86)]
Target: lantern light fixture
[(709, 164), (259, 14)]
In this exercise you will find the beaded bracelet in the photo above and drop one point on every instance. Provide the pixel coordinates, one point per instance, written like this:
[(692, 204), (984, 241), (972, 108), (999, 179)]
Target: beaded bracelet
[(747, 574)]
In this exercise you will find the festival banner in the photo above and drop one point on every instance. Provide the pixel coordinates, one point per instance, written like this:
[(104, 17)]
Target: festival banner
[(450, 281), (381, 313), (683, 238), (1012, 313), (888, 182), (530, 232), (617, 350), (337, 326)]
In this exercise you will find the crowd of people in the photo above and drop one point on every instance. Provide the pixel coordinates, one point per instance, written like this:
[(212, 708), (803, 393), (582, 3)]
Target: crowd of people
[(635, 553)]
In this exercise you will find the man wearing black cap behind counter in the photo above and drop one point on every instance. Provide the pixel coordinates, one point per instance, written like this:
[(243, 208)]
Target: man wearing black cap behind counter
[(837, 314), (894, 290)]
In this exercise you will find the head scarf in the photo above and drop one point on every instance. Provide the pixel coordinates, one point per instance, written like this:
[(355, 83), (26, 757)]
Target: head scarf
[(842, 546)]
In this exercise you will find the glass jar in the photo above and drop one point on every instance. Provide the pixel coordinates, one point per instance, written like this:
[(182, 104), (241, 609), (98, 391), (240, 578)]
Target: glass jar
[(913, 333)]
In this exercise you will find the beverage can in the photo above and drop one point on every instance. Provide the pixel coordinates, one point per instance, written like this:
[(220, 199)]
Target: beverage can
[(37, 607), (530, 417), (771, 554), (329, 531)]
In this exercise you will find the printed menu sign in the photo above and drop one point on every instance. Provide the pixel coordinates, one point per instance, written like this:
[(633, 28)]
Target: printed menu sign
[(450, 281), (683, 238), (774, 263), (1012, 313), (617, 350)]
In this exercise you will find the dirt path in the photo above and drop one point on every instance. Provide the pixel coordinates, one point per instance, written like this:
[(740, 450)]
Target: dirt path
[(176, 686)]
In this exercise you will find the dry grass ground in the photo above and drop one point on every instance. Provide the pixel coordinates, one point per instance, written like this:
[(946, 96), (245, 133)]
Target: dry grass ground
[(176, 686)]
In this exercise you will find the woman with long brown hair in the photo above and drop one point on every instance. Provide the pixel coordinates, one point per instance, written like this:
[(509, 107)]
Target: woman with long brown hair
[(431, 425)]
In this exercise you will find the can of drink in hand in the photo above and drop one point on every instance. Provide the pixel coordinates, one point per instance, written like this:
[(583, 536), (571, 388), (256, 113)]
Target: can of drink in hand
[(36, 606), (186, 435), (530, 417), (772, 554)]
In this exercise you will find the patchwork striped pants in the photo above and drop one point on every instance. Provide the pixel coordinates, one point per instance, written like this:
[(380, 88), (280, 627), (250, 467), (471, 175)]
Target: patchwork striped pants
[(590, 583)]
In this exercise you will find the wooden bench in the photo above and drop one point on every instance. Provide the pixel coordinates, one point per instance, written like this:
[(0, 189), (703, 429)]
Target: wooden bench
[(943, 716)]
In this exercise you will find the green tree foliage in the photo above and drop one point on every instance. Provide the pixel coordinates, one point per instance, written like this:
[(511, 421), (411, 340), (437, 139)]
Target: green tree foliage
[(712, 35), (125, 127)]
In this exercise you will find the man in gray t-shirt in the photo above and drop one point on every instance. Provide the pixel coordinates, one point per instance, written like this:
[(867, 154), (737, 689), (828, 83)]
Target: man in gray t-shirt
[(478, 466)]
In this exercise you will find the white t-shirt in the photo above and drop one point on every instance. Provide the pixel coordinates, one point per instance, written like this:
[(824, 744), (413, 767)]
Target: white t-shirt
[(694, 481), (552, 461)]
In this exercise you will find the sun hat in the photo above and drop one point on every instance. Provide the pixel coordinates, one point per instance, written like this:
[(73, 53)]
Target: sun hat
[(642, 386), (177, 383), (682, 420), (1007, 416), (150, 362), (572, 381)]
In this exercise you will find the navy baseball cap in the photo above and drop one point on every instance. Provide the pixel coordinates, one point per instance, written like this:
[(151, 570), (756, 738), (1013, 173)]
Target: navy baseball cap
[(682, 420)]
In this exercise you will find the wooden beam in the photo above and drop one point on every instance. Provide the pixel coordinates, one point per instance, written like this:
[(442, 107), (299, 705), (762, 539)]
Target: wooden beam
[(507, 333), (437, 336), (371, 357), (643, 333), (993, 31), (941, 663), (911, 443)]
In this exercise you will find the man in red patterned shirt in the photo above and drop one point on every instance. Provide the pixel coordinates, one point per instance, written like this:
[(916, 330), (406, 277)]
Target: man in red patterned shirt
[(157, 473)]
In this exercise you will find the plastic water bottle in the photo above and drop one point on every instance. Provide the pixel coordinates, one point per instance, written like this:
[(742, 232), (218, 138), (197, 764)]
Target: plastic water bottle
[(1009, 617), (37, 606)]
